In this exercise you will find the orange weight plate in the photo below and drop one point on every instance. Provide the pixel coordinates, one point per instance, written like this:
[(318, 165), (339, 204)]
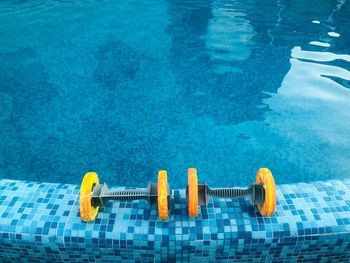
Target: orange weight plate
[(192, 201), (162, 195)]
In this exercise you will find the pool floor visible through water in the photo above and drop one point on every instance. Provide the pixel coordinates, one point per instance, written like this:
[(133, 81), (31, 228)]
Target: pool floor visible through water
[(127, 88)]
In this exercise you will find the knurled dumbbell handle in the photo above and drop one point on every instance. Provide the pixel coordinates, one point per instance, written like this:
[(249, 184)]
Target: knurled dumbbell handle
[(228, 192), (126, 194)]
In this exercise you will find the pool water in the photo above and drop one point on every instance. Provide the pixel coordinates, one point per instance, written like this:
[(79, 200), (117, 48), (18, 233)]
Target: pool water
[(126, 88)]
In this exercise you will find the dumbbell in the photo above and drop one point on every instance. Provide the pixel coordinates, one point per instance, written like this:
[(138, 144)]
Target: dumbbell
[(94, 195), (262, 193)]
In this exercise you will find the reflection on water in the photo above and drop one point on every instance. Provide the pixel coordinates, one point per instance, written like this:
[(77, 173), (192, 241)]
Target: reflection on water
[(218, 59), (127, 88), (310, 109), (228, 35)]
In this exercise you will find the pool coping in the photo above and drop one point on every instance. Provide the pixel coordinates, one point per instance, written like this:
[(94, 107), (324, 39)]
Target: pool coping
[(41, 222)]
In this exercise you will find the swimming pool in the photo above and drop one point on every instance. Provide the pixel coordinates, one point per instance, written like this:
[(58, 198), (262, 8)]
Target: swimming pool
[(126, 88)]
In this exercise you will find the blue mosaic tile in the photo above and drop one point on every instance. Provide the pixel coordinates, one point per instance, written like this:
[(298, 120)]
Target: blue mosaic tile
[(40, 222)]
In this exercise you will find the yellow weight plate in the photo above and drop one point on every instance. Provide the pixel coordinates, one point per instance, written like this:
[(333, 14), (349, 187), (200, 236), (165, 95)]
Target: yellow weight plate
[(264, 177), (87, 211)]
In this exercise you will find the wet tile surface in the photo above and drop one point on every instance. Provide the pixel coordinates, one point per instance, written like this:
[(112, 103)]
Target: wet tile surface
[(41, 222)]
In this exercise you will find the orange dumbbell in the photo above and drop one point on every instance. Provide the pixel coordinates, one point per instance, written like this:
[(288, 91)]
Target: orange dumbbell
[(262, 193)]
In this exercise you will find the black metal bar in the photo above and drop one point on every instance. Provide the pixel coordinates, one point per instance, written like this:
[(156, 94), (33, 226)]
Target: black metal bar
[(126, 194), (229, 192), (101, 194), (255, 191)]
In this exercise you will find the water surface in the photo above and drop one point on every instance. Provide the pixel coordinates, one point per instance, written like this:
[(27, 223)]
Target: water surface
[(126, 88)]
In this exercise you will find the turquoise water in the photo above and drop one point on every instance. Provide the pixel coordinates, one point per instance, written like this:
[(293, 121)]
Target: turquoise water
[(126, 88)]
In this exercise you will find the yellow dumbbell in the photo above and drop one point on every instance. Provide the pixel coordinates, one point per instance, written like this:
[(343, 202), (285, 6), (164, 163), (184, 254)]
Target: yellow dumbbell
[(93, 195)]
